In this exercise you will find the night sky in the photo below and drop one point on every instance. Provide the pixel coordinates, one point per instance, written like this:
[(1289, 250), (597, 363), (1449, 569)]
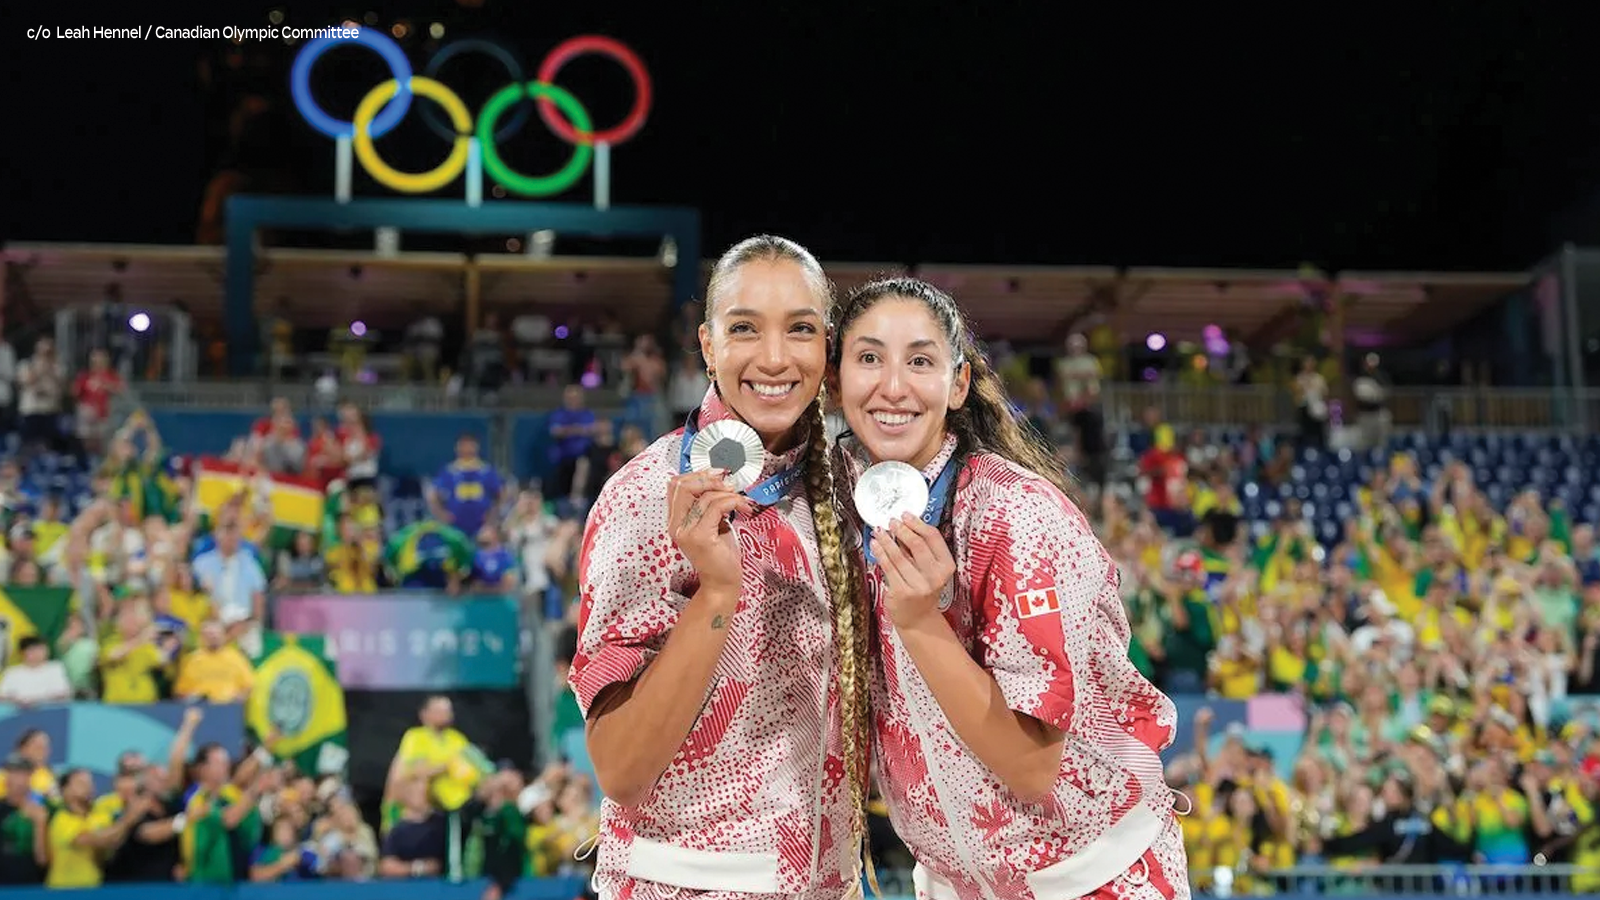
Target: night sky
[(989, 132)]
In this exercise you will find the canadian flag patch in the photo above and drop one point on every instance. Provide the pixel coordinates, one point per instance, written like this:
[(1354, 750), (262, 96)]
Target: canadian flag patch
[(1038, 603)]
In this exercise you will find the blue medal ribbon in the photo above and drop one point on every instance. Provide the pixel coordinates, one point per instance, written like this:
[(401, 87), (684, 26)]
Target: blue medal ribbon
[(767, 492), (938, 494)]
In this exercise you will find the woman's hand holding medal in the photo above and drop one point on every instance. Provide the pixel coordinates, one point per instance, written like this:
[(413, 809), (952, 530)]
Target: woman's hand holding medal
[(698, 506), (724, 458), (917, 567)]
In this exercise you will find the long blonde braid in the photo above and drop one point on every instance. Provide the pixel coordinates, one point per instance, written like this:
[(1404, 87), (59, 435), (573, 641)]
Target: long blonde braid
[(850, 624), (841, 565)]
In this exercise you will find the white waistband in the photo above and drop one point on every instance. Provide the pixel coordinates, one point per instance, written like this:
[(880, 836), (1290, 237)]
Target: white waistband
[(1078, 875), (703, 870)]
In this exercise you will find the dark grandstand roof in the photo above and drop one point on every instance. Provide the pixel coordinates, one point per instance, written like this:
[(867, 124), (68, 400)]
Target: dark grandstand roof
[(1021, 303)]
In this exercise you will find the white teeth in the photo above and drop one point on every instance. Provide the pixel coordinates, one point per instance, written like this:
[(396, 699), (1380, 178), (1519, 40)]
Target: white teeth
[(771, 390), (893, 418)]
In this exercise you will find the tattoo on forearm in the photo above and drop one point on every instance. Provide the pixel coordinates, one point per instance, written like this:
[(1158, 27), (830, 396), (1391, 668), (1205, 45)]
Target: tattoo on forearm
[(718, 621)]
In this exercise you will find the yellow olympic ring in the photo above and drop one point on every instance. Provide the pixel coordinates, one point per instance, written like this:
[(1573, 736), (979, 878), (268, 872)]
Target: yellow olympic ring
[(413, 182)]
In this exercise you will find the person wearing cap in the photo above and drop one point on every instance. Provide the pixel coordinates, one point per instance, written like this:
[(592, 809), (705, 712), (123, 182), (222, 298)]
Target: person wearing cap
[(1018, 747), (721, 666)]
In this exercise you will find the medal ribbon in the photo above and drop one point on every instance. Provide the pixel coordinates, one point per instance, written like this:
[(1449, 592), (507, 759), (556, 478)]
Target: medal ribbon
[(765, 493), (938, 493)]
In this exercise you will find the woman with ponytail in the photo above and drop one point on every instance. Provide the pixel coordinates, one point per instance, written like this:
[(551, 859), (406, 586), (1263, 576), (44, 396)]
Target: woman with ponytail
[(713, 669), (1017, 746)]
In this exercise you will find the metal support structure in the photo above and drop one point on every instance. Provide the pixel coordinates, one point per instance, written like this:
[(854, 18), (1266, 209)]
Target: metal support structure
[(343, 169), (602, 175), (1574, 349), (247, 214), (474, 291)]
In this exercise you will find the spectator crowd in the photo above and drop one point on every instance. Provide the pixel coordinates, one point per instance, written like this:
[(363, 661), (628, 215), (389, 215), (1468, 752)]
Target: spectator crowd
[(1439, 640), (165, 583), (202, 817), (1439, 646)]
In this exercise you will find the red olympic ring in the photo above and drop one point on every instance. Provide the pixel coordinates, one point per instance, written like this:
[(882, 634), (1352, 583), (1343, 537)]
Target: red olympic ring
[(595, 43)]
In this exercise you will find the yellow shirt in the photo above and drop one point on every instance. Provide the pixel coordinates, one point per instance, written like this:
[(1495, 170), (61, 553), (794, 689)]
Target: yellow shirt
[(72, 867), (193, 607), (426, 747), (46, 534), (129, 680), (221, 676), (1285, 668), (1398, 583), (107, 807), (43, 782), (351, 570), (1237, 679), (1430, 630)]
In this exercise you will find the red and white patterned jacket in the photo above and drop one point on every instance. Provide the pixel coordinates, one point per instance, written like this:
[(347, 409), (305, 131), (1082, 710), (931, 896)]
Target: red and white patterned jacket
[(752, 803), (1035, 601)]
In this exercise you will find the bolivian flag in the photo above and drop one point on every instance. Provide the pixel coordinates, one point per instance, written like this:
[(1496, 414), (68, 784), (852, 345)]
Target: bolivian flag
[(288, 503)]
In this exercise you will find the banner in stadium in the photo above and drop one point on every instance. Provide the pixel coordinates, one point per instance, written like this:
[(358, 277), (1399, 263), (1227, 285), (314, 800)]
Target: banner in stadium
[(294, 504), (27, 611), (411, 641), (79, 731), (298, 703), (1272, 722)]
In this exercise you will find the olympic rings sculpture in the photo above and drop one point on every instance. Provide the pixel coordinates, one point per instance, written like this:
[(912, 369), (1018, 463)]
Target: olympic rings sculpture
[(387, 104)]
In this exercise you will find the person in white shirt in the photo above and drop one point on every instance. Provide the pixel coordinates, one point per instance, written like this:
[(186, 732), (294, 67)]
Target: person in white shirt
[(528, 531), (1078, 374), (1311, 403), (37, 679), (687, 386), (232, 577), (43, 382)]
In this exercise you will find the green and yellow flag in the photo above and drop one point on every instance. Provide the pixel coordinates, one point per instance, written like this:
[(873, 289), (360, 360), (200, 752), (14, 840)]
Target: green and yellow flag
[(297, 698), (27, 611)]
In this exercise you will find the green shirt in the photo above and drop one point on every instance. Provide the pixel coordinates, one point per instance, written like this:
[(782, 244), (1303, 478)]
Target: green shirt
[(1188, 649), (214, 854), (17, 865), (498, 848)]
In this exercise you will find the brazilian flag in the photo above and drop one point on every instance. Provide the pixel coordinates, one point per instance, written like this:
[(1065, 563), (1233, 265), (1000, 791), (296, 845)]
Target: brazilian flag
[(297, 696), (424, 554), (30, 611)]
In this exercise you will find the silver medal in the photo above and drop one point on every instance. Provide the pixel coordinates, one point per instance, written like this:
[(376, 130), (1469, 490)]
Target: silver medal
[(730, 445), (889, 490)]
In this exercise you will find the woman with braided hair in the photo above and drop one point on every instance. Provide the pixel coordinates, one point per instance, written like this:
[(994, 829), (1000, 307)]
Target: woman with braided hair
[(713, 669), (1017, 746)]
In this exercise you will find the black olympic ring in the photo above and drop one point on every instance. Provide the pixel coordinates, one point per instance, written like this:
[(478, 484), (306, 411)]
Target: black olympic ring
[(432, 115)]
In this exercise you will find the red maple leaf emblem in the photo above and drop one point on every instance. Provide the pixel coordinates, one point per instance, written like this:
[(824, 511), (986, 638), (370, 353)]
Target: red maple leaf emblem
[(902, 754), (1010, 883), (991, 819)]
